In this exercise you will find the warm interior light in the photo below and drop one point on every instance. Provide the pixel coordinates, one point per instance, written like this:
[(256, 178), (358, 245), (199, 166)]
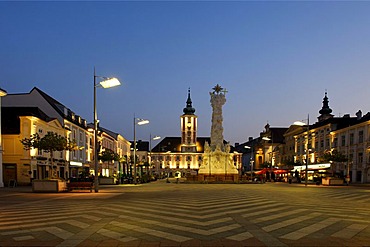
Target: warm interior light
[(248, 147), (266, 138), (143, 121), (156, 138), (110, 82)]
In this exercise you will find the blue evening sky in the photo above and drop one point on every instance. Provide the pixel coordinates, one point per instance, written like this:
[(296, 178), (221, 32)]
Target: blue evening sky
[(276, 59)]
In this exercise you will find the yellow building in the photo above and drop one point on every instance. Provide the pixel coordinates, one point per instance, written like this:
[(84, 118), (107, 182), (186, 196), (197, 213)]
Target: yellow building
[(24, 165)]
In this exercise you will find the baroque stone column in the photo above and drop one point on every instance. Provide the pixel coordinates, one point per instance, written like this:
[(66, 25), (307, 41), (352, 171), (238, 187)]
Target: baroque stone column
[(217, 161), (218, 99)]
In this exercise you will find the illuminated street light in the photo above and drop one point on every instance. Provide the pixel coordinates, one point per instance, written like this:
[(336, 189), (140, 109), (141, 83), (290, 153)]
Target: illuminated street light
[(251, 160), (137, 121), (2, 93), (300, 123), (150, 147), (106, 82)]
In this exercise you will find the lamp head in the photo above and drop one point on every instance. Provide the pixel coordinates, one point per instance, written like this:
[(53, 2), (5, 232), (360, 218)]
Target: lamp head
[(3, 92), (299, 123), (110, 82), (142, 121)]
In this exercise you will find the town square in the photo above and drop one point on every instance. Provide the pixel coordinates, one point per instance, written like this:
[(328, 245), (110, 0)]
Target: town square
[(184, 123), (182, 214)]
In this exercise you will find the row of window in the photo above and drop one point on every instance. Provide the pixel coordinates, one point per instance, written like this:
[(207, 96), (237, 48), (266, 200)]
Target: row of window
[(177, 158)]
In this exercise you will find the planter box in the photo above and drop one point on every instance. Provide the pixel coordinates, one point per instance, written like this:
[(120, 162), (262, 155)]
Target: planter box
[(106, 181), (49, 186), (332, 181)]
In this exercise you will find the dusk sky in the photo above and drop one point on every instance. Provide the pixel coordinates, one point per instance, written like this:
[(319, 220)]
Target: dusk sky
[(276, 59)]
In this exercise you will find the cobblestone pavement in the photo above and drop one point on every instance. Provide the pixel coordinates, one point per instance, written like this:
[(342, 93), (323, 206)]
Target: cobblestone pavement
[(170, 214)]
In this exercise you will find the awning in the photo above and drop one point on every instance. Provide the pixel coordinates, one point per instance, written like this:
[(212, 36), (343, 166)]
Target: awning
[(276, 171)]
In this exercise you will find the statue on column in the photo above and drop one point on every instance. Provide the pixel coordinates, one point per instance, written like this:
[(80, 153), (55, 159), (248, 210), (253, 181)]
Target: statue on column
[(218, 99), (217, 160)]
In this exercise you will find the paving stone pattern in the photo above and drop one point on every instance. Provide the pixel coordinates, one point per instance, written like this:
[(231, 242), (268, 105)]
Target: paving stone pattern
[(162, 214)]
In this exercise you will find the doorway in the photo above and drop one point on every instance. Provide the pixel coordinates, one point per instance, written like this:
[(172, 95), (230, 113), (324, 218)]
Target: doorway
[(10, 173)]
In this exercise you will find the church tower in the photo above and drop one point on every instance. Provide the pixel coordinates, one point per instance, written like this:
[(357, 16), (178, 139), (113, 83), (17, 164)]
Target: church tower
[(188, 128), (325, 110)]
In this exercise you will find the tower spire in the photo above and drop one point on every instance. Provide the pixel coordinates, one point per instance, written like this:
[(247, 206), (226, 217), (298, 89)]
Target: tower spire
[(189, 110), (325, 111), (325, 105)]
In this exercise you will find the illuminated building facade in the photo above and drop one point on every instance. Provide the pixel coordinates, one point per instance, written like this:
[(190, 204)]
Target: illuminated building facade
[(183, 154)]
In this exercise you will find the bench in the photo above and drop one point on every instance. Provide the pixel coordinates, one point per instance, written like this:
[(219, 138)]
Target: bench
[(80, 186)]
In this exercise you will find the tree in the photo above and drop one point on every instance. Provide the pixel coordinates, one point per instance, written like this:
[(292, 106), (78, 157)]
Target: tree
[(49, 143), (109, 155), (333, 157)]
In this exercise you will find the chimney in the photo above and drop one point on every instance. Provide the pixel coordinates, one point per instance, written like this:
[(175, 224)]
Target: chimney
[(236, 144), (250, 138)]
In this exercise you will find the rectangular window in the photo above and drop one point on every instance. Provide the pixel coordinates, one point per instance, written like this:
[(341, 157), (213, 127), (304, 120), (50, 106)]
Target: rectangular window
[(361, 136), (360, 157), (351, 138), (74, 135), (343, 140), (335, 142)]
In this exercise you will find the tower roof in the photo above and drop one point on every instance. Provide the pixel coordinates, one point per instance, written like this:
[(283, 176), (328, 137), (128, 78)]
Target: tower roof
[(325, 106), (189, 110)]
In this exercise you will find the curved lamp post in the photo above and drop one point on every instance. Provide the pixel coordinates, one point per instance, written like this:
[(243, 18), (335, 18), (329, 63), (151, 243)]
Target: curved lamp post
[(2, 93), (106, 82), (137, 121), (299, 123)]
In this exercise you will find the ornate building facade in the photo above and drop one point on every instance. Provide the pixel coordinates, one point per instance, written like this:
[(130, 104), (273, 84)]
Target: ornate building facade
[(183, 154)]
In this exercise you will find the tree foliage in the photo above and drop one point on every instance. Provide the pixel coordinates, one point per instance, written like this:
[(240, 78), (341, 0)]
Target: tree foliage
[(49, 143), (334, 156), (109, 155)]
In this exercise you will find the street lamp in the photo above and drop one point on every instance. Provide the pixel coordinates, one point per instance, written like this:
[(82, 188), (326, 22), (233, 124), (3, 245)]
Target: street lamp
[(267, 138), (150, 147), (299, 123), (251, 160), (106, 82), (2, 93), (137, 121)]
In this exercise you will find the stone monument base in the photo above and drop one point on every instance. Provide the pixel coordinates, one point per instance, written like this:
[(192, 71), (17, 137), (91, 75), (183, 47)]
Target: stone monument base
[(214, 178)]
